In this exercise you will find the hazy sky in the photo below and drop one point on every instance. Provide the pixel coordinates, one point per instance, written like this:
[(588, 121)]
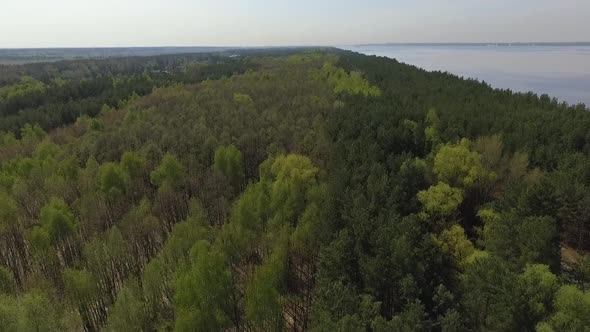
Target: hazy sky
[(55, 23)]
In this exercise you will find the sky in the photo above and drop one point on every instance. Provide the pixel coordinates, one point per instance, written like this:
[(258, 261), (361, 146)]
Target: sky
[(119, 23)]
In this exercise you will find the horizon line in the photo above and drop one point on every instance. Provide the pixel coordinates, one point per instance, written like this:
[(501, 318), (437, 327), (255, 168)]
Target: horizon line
[(299, 46)]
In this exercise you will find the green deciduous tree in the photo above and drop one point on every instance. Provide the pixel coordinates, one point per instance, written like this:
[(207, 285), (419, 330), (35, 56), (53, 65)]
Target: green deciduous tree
[(38, 313), (292, 177), (229, 162), (263, 296), (170, 171), (536, 287), (441, 200), (9, 314), (203, 293), (80, 285), (571, 311), (57, 219), (112, 180), (454, 243), (352, 83), (128, 312), (458, 165), (133, 164)]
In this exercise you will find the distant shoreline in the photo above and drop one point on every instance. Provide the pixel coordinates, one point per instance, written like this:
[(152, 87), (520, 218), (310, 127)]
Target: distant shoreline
[(560, 70), (516, 44)]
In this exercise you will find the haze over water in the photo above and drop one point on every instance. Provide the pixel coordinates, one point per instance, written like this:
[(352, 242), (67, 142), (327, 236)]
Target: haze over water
[(559, 71)]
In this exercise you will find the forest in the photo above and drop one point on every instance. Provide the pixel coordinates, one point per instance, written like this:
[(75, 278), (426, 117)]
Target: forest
[(287, 190)]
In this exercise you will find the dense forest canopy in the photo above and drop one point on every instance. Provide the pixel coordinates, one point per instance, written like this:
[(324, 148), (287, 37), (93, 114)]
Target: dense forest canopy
[(287, 190)]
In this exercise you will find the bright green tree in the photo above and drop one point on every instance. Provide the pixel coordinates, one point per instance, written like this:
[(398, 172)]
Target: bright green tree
[(203, 292), (292, 176), (170, 171), (536, 287), (459, 166), (572, 311), (454, 243), (441, 200)]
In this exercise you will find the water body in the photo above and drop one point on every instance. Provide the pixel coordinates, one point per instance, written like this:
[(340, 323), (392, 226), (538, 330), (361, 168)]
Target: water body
[(561, 71)]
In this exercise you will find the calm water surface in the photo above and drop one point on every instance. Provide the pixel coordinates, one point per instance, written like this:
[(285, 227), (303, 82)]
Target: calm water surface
[(559, 71)]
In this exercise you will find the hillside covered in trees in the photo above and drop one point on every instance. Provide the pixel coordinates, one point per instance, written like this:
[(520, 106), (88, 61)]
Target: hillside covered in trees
[(287, 190)]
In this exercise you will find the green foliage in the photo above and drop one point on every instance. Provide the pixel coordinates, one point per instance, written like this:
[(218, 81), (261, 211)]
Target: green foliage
[(571, 311), (313, 228), (348, 207), (57, 220), (80, 285), (6, 281), (441, 199), (40, 240), (26, 93), (46, 150), (112, 180), (250, 211), (229, 162), (128, 312), (338, 315), (154, 279), (411, 319), (536, 287), (9, 314), (183, 237), (26, 86), (454, 242), (352, 83), (538, 240), (457, 165), (31, 133), (263, 301), (133, 164), (37, 313), (8, 213), (431, 132), (583, 270), (169, 172), (521, 240), (203, 295), (96, 124), (242, 99), (293, 176), (489, 295)]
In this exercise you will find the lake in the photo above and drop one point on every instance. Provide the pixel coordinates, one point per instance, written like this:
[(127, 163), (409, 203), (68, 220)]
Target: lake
[(559, 71)]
